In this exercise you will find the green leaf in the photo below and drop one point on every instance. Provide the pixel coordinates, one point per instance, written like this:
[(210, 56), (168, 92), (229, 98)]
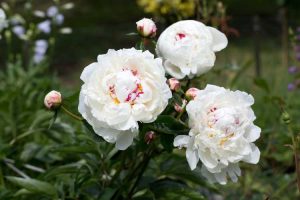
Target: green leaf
[(107, 193), (167, 142), (169, 125), (33, 185), (132, 34), (262, 83), (240, 73), (172, 189)]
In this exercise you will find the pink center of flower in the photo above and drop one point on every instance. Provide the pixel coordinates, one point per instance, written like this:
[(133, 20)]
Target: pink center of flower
[(132, 94), (180, 36)]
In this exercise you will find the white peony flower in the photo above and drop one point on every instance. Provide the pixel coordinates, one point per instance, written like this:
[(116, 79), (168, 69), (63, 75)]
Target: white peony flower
[(123, 88), (222, 133), (188, 48)]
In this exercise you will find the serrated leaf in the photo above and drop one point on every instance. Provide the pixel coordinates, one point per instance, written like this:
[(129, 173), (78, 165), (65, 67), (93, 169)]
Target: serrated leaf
[(33, 185)]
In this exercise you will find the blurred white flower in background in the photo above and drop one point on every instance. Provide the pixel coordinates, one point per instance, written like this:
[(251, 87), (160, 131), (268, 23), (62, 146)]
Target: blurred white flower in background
[(65, 30), (59, 19), (45, 26), (52, 11), (68, 6), (19, 31), (188, 48), (123, 88), (3, 21), (40, 49), (222, 133), (39, 13)]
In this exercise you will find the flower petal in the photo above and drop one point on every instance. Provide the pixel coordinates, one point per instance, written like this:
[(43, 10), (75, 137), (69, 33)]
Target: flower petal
[(124, 139), (181, 141), (220, 40), (253, 133), (192, 158), (254, 156)]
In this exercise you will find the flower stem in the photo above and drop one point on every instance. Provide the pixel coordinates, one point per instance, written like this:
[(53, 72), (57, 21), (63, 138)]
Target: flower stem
[(71, 114)]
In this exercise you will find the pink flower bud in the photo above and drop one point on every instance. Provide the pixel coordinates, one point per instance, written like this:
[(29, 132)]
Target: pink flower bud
[(191, 93), (53, 100), (174, 84), (146, 28), (149, 136)]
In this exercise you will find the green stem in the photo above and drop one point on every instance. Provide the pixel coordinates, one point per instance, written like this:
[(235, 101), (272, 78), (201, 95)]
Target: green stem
[(181, 113), (71, 114), (145, 163)]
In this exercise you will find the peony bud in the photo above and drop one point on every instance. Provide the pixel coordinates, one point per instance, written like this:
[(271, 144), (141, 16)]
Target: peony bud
[(191, 93), (149, 136), (146, 28), (174, 84), (53, 100)]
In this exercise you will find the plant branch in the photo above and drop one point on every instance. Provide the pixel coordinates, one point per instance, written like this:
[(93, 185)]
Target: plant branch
[(74, 116)]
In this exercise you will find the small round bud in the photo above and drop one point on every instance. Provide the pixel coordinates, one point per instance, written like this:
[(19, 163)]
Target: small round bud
[(149, 136), (174, 84), (286, 117), (53, 100), (146, 28), (191, 93)]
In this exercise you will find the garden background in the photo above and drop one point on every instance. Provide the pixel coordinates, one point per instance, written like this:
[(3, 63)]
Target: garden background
[(65, 162)]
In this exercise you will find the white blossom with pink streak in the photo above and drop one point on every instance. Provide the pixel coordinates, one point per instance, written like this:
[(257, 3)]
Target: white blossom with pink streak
[(222, 133), (123, 88), (188, 48)]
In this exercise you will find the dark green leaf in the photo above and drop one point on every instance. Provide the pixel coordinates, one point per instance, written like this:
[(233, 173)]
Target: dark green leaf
[(33, 185), (262, 83)]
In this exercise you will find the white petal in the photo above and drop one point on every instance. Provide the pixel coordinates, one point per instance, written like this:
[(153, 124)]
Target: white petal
[(253, 158), (207, 160), (88, 70), (192, 158), (181, 141), (219, 39), (253, 133), (209, 176), (124, 140), (221, 178), (173, 70)]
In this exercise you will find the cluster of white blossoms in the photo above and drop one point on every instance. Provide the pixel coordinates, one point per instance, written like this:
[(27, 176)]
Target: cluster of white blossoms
[(123, 88), (127, 87), (222, 133)]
